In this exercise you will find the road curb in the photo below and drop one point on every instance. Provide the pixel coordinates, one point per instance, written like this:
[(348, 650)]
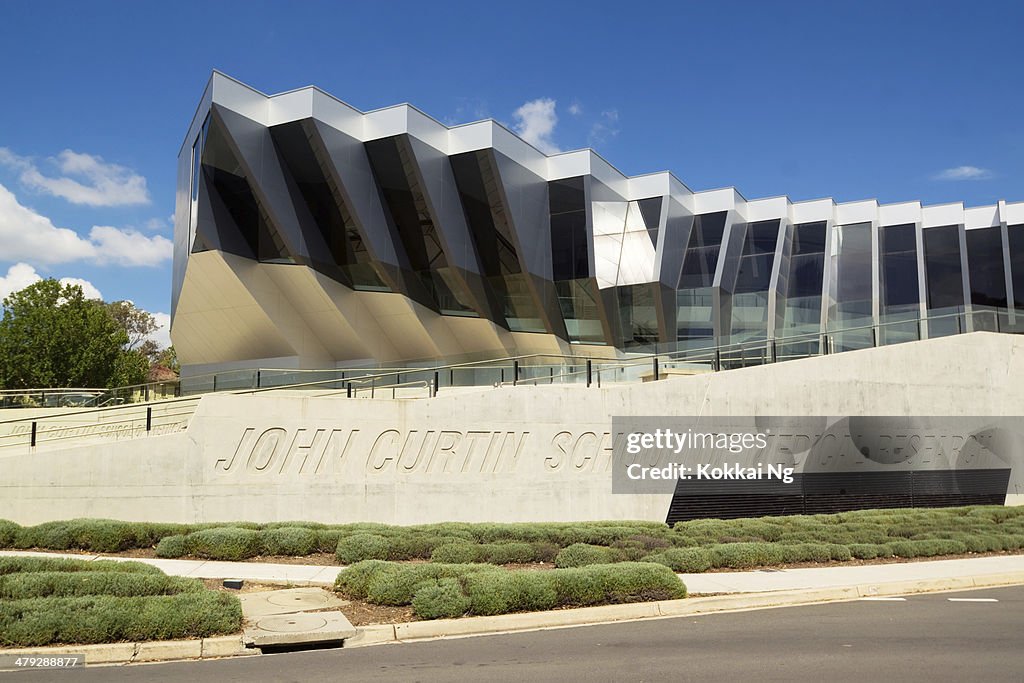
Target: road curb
[(147, 651), (589, 616), (381, 634)]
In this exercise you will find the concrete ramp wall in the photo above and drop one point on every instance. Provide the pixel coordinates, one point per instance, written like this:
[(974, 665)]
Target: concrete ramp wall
[(508, 454)]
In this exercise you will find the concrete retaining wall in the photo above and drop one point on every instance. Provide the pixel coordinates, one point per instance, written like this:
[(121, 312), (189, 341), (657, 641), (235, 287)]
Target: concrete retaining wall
[(509, 454)]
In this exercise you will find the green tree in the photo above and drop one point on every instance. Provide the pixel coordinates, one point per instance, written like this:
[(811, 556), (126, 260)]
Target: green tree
[(52, 336), (168, 358)]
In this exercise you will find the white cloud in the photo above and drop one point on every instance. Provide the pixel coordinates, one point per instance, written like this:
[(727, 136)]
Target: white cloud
[(575, 109), (88, 289), (604, 128), (963, 173), (86, 179), (535, 122), (162, 335), (26, 235), (21, 275), (128, 247), (30, 236)]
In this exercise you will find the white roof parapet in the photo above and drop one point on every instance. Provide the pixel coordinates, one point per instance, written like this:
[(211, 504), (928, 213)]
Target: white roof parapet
[(310, 101)]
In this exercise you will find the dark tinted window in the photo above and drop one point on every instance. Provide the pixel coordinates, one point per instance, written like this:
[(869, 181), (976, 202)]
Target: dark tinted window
[(569, 255), (985, 267), (942, 267), (1016, 235), (701, 256), (899, 267)]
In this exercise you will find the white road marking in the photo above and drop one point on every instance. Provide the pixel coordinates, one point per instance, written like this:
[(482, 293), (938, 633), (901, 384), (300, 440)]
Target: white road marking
[(972, 599), (886, 599)]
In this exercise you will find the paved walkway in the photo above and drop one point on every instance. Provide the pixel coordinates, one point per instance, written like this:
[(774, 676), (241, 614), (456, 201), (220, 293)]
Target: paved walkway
[(720, 582)]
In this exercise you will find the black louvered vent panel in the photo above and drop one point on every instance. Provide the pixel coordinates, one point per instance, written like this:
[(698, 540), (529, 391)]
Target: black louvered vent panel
[(828, 492)]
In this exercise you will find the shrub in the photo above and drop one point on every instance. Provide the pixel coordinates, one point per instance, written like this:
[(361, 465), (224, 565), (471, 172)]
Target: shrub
[(224, 543), (417, 545), (327, 539), (864, 551), (622, 582), (544, 551), (744, 555), (288, 540), (14, 565), (506, 553), (684, 560), (397, 583), (354, 581), (582, 554), (8, 532), (806, 552), (390, 583), (360, 547), (172, 546), (461, 552), (443, 600), (67, 584), (500, 592), (82, 620)]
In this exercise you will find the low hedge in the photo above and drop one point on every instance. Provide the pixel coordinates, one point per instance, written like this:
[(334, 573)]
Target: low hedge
[(224, 543), (583, 554), (89, 619), (463, 552), (448, 590), (23, 585), (288, 540), (767, 540), (15, 565), (684, 560)]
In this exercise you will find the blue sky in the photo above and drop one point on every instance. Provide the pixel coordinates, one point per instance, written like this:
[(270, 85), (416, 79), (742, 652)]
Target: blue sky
[(894, 100)]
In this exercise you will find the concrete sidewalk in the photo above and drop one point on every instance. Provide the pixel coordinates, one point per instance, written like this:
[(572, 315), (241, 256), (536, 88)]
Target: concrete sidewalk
[(757, 581), (297, 574)]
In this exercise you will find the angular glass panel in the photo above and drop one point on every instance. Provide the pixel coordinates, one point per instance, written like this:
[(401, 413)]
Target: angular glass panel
[(694, 299), (749, 301), (225, 175), (569, 252), (944, 278), (900, 298), (638, 314), (702, 251), (306, 159), (985, 267), (394, 169), (479, 190), (581, 311), (801, 288), (1016, 244), (851, 305)]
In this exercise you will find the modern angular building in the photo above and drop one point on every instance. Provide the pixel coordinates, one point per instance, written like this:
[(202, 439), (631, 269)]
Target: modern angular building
[(309, 234)]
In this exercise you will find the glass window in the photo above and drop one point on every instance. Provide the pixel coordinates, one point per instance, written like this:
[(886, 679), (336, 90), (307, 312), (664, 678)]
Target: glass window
[(694, 300), (900, 296), (944, 274), (569, 253), (851, 306), (801, 312), (749, 301), (1016, 244), (305, 157), (394, 164), (478, 184), (638, 314), (899, 269), (985, 267)]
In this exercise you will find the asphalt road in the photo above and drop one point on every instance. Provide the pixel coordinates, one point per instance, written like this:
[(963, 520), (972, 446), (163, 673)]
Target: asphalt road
[(924, 638)]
